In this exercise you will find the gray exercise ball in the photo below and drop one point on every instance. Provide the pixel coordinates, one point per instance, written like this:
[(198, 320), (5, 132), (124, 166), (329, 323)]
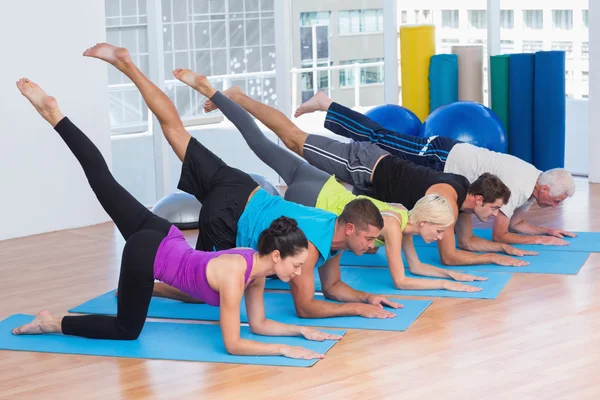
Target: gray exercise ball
[(182, 209), (264, 183), (179, 208)]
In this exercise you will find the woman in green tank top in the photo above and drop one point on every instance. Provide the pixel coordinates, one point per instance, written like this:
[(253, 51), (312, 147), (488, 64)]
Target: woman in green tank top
[(429, 218)]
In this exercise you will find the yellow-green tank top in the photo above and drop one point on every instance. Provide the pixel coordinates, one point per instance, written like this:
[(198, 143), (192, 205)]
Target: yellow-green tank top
[(334, 197)]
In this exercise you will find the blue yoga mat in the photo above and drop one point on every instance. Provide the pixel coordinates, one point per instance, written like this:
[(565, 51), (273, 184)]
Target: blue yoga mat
[(278, 306), (379, 281), (443, 80), (520, 107), (549, 110), (159, 340), (546, 262), (588, 242)]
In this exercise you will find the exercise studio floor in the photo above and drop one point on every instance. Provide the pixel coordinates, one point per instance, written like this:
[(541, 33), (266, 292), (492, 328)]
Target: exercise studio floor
[(538, 340)]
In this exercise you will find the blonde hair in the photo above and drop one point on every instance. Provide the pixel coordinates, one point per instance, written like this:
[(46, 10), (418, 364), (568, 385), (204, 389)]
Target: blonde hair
[(434, 209)]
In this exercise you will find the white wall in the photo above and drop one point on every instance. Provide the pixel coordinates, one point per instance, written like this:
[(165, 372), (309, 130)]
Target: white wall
[(43, 187), (594, 101), (576, 158)]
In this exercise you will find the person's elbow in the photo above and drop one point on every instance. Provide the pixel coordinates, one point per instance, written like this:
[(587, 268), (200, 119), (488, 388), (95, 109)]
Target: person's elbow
[(448, 258), (304, 311), (257, 328), (401, 283), (499, 237), (234, 347), (465, 243)]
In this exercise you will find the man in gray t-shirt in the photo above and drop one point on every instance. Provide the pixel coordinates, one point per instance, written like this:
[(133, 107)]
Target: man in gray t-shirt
[(526, 183)]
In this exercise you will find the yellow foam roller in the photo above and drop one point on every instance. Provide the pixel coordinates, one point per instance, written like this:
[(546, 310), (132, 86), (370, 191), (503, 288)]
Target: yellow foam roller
[(417, 46)]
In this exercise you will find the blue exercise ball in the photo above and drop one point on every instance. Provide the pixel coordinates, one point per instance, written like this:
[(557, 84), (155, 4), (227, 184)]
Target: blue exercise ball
[(396, 118), (467, 122)]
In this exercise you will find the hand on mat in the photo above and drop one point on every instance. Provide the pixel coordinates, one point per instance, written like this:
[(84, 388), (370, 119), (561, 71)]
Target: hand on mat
[(374, 311), (460, 276), (552, 241), (313, 334), (460, 287), (513, 251), (299, 352), (559, 233), (507, 261)]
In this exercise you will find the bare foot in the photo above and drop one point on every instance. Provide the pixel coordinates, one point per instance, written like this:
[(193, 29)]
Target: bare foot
[(210, 106), (319, 102), (117, 56), (44, 104), (44, 322)]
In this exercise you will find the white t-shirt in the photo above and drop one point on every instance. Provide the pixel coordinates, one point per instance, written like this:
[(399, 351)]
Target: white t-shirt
[(520, 176)]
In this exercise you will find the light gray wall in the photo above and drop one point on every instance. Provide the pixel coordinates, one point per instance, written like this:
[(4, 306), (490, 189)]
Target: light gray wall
[(43, 186)]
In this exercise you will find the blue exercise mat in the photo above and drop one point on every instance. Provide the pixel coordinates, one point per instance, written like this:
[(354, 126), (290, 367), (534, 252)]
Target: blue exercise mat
[(443, 80), (278, 307), (159, 340), (546, 262), (379, 281), (549, 110), (585, 241), (520, 106)]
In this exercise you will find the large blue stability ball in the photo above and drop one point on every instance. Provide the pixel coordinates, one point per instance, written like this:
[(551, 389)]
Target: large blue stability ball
[(396, 118), (468, 122)]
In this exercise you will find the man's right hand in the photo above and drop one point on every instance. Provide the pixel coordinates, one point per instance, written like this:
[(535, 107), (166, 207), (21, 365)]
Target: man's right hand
[(507, 261), (373, 311)]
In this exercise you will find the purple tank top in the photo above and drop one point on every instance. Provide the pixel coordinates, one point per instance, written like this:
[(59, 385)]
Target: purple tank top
[(177, 264)]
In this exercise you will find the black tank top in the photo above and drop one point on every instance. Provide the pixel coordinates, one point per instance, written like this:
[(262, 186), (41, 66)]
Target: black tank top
[(401, 181)]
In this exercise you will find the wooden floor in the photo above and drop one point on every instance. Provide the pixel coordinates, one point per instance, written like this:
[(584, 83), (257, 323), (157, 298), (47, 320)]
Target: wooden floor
[(540, 339)]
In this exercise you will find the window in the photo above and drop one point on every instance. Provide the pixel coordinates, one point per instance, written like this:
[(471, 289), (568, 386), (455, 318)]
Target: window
[(446, 47), (567, 47), (126, 27), (308, 44), (202, 36), (507, 46), (368, 75), (314, 18), (562, 19), (450, 19), (584, 17), (507, 19), (531, 46), (360, 21), (308, 83), (533, 19), (477, 19)]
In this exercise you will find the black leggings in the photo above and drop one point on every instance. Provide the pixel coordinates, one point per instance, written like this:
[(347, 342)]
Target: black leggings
[(143, 232), (303, 180)]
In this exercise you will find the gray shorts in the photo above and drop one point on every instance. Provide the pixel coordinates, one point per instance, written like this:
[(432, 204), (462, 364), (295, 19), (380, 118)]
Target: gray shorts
[(351, 162)]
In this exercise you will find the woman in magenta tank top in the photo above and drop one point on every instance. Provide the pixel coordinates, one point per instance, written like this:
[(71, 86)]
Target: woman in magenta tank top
[(157, 250)]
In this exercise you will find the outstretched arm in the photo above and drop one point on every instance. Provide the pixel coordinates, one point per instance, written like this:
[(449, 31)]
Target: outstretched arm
[(260, 325), (527, 233), (419, 268), (303, 291)]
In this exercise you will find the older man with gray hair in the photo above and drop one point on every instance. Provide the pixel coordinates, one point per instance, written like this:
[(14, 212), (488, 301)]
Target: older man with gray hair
[(527, 184)]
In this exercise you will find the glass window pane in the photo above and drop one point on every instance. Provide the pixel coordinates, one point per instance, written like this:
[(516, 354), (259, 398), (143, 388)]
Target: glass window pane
[(236, 33), (200, 7), (267, 31), (217, 34)]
